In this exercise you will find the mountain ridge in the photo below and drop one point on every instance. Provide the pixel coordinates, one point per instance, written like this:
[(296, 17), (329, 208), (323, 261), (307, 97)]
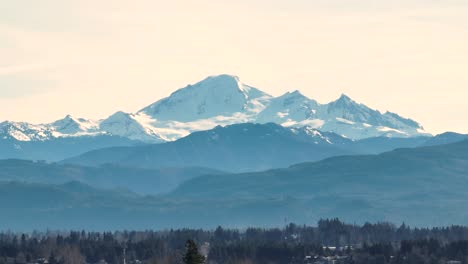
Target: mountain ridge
[(250, 147), (106, 177), (404, 185), (223, 100), (238, 147)]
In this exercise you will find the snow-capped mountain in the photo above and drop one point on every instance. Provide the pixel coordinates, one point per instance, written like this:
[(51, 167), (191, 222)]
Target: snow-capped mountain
[(222, 95), (21, 131), (67, 127), (290, 109), (343, 116), (223, 100), (358, 121), (127, 125), (74, 126)]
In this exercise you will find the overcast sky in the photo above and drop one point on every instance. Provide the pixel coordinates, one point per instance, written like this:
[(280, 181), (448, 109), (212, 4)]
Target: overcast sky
[(91, 58)]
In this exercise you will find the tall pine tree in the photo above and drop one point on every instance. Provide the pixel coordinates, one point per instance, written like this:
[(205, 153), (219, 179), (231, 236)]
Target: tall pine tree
[(192, 256)]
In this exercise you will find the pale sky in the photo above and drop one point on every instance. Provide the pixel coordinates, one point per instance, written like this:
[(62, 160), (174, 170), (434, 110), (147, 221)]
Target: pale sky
[(91, 58)]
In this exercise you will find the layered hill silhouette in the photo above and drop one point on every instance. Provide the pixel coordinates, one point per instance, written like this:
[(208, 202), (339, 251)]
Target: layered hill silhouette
[(250, 147), (424, 186), (139, 181), (243, 147)]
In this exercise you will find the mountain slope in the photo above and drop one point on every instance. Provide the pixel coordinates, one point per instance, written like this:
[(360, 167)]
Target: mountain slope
[(416, 165), (141, 181), (445, 138), (242, 147), (67, 206), (56, 149), (422, 186)]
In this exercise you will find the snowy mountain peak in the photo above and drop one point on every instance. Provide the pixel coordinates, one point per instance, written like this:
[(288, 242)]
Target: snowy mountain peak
[(119, 115), (214, 96), (223, 81), (295, 94), (290, 109), (345, 107), (22, 131), (126, 125), (72, 125), (343, 101), (345, 97), (297, 97)]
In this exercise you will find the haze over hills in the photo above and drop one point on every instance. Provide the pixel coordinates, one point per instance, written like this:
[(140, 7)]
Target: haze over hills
[(222, 100), (424, 186), (140, 181), (56, 149), (421, 167), (243, 147)]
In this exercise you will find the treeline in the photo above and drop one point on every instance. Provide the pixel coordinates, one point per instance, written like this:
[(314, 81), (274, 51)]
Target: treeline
[(417, 251), (331, 238)]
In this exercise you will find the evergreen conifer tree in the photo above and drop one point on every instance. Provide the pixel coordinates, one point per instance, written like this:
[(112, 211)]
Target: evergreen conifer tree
[(192, 256)]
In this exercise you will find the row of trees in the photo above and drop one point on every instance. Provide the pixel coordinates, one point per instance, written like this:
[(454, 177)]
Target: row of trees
[(417, 251), (368, 243)]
